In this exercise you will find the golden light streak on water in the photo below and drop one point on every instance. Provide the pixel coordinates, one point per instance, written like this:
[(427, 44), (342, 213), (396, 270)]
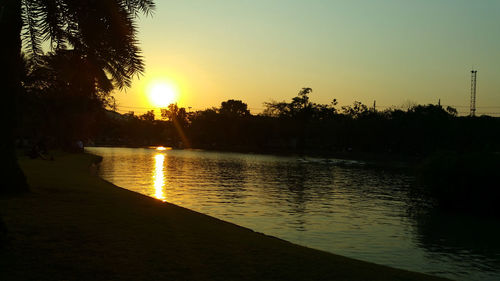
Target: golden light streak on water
[(163, 148), (158, 176)]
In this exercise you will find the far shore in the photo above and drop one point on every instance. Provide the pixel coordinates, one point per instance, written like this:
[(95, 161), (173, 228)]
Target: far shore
[(73, 225), (376, 160)]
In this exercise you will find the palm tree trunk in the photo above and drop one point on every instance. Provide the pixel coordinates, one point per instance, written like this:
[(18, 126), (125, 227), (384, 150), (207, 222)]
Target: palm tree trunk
[(13, 179)]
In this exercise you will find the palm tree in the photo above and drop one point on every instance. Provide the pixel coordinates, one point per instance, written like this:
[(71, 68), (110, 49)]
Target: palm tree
[(63, 89), (69, 72), (101, 30)]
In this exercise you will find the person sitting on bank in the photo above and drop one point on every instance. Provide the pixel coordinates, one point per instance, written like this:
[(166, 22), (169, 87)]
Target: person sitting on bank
[(79, 145)]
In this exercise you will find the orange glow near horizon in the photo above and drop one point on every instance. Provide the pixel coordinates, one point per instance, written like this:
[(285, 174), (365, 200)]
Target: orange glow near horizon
[(341, 49), (158, 177)]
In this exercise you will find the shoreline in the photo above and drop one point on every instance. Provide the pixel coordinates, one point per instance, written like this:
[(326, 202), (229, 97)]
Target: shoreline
[(76, 226)]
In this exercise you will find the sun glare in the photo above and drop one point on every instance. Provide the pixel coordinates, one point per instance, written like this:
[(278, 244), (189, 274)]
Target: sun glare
[(162, 94)]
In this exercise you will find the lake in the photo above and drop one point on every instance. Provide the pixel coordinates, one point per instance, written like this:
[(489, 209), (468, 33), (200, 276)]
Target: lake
[(337, 206)]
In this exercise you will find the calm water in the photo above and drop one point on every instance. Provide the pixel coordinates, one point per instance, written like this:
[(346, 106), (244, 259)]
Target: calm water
[(349, 210)]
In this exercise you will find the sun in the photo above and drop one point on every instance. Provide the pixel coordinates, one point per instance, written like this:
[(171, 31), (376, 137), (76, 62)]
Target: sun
[(162, 94)]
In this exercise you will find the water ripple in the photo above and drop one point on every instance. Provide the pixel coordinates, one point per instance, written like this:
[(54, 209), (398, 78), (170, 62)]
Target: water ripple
[(347, 209)]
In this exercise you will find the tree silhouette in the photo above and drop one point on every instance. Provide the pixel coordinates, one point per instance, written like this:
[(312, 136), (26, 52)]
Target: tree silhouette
[(73, 72), (178, 117), (103, 31), (234, 108), (62, 89), (148, 116), (357, 110), (301, 101), (175, 113), (300, 107)]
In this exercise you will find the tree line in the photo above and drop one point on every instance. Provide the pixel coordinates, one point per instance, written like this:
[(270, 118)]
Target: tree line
[(63, 95), (297, 126), (62, 106)]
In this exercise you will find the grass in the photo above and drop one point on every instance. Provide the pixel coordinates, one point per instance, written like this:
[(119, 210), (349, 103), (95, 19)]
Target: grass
[(75, 226)]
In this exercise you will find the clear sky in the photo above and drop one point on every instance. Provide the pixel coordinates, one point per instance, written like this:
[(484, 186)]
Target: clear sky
[(391, 51)]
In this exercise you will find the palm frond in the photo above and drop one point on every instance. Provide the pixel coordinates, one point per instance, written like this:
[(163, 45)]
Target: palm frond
[(52, 27), (135, 7), (31, 34), (102, 31)]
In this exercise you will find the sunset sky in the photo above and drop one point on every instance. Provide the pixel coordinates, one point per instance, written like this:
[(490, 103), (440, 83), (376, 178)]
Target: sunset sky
[(391, 51)]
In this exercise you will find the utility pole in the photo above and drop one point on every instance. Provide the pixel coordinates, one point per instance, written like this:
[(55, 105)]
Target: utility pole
[(473, 82), (374, 106)]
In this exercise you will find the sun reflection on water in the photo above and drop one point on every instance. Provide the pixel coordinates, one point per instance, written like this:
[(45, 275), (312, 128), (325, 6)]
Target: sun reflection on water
[(357, 212), (158, 177)]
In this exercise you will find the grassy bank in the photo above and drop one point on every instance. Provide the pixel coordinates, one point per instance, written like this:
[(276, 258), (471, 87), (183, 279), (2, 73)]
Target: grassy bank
[(75, 226)]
